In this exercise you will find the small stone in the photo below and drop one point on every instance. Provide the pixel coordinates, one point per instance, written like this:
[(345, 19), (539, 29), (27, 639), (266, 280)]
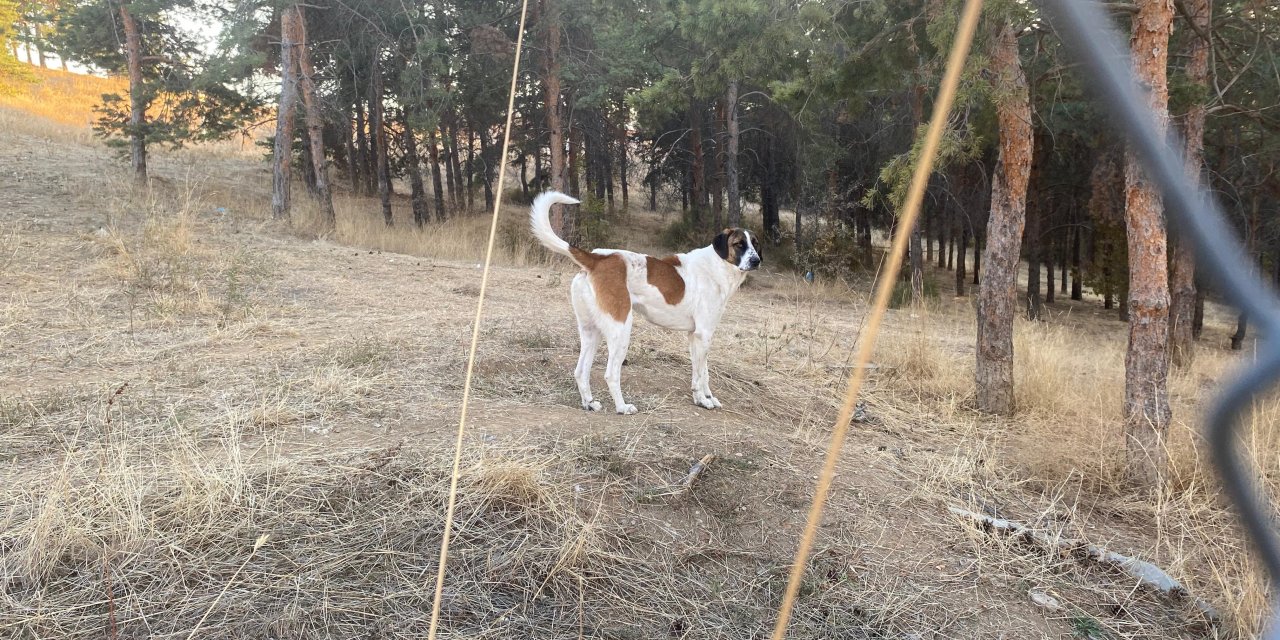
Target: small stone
[(1045, 600)]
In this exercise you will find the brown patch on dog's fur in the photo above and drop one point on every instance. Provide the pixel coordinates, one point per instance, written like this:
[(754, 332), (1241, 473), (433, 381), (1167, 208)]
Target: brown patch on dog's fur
[(608, 275), (663, 275), (733, 236)]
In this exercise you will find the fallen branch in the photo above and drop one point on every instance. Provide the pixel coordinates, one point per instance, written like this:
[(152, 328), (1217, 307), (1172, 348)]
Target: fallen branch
[(1148, 574), (685, 485)]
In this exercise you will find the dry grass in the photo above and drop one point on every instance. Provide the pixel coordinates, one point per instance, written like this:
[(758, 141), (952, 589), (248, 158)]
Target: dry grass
[(61, 97), (1065, 445), (143, 529), (303, 390)]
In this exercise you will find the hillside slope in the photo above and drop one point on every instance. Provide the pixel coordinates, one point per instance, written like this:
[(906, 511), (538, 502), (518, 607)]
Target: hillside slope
[(204, 416)]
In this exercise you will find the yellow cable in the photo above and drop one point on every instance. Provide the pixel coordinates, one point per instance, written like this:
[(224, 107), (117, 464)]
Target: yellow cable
[(911, 210), (475, 332)]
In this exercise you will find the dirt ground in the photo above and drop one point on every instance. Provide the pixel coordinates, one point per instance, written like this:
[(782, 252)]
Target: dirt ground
[(240, 340)]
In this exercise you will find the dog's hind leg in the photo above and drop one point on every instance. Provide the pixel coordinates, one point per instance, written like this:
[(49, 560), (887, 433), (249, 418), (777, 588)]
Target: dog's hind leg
[(584, 307), (618, 336), (590, 336)]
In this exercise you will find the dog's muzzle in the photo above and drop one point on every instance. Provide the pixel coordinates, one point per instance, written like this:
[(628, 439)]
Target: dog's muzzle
[(752, 264)]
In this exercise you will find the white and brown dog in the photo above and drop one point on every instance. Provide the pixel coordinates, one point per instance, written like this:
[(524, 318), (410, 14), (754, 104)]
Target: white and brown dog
[(684, 292)]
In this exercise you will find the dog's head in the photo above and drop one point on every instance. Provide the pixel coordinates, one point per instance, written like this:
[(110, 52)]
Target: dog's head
[(739, 248)]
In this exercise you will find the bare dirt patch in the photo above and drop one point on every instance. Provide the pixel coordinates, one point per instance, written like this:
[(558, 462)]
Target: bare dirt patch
[(306, 390)]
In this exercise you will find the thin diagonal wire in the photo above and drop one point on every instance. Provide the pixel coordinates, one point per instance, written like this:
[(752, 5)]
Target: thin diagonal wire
[(475, 335), (911, 210)]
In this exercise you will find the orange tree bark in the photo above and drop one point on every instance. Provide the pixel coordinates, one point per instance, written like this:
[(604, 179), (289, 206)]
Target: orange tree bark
[(437, 187), (551, 96), (282, 149), (1182, 265), (315, 125), (1146, 401), (997, 293), (378, 119), (137, 96)]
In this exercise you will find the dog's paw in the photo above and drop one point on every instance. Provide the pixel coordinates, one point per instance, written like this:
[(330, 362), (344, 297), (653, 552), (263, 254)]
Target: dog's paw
[(706, 402), (594, 405), (627, 410)]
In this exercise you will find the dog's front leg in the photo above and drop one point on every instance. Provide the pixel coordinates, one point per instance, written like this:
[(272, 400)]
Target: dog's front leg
[(699, 347)]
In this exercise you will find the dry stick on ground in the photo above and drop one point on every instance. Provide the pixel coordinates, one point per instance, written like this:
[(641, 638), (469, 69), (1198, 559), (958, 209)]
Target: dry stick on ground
[(695, 472), (1146, 573), (262, 539), (106, 552)]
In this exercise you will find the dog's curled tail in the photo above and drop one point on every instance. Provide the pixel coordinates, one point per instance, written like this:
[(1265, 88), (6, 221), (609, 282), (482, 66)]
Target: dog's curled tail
[(540, 222)]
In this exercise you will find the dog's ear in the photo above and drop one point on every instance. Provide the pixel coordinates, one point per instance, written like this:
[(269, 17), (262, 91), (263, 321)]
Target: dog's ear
[(721, 244)]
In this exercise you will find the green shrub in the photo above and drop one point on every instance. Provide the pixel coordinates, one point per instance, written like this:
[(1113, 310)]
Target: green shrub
[(594, 226), (516, 196), (901, 297)]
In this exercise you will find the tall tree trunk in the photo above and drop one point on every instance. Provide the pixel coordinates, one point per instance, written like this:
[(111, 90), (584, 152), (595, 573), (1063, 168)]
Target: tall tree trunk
[(1032, 232), (1146, 405), (471, 169), (1077, 287), (1048, 274), (417, 191), (138, 101), (769, 201), (653, 182), (437, 187), (308, 166), (463, 190), (377, 118), (38, 41), (698, 189), (686, 179), (998, 294), (1182, 267), (951, 243), (864, 233), (524, 175), (1242, 330), (282, 151), (362, 176), (917, 253), (929, 219), (606, 154), (799, 230), (551, 99), (917, 265), (962, 233), (450, 181), (315, 124), (487, 159), (371, 169), (349, 146), (977, 259), (1197, 318), (716, 178), (575, 144), (1063, 243), (623, 165), (1034, 303)]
